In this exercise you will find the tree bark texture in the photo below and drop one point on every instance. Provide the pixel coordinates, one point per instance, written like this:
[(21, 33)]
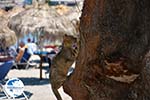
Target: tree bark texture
[(113, 60)]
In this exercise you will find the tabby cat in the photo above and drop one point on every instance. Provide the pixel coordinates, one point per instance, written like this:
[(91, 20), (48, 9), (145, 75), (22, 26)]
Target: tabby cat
[(62, 62)]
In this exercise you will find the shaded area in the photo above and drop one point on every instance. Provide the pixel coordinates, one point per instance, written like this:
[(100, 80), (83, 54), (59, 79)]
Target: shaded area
[(33, 81), (21, 97)]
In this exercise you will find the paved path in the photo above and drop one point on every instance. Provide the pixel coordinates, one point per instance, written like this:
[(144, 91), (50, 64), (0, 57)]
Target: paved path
[(34, 88)]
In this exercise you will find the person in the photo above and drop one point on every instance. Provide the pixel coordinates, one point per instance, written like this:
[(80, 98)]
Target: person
[(12, 51), (22, 48), (32, 47)]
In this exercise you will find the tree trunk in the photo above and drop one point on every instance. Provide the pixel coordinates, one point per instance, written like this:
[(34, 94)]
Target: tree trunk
[(112, 62)]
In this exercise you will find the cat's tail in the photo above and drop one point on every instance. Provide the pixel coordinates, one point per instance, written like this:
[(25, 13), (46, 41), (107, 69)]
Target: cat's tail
[(55, 91)]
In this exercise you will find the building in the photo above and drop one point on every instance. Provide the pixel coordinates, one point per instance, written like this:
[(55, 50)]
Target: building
[(9, 4)]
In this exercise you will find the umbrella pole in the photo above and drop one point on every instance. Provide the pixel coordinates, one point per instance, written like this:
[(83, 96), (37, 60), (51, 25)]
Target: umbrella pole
[(17, 41)]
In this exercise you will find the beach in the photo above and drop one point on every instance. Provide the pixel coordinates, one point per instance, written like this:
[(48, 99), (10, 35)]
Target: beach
[(36, 89)]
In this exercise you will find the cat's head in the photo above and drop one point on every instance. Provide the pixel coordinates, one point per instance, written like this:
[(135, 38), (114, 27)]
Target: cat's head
[(70, 41)]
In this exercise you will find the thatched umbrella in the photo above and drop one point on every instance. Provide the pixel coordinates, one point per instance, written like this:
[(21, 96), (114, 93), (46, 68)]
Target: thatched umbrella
[(15, 11), (31, 20), (7, 36), (72, 13), (2, 12)]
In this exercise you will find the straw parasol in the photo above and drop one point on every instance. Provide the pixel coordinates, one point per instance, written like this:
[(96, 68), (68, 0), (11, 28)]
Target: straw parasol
[(72, 13), (7, 36), (32, 19), (14, 11), (2, 12)]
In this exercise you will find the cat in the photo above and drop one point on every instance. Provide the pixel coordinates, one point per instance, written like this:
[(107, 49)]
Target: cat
[(62, 62)]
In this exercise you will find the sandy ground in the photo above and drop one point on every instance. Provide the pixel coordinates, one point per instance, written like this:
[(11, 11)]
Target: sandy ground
[(35, 88)]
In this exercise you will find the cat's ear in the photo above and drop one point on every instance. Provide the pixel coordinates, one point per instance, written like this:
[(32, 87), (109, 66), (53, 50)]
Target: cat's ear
[(65, 35)]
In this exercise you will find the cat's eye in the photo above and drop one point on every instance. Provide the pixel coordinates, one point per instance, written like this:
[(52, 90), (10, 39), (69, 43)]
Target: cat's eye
[(74, 46)]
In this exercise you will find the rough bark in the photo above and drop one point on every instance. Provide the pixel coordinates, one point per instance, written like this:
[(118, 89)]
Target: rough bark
[(115, 38)]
